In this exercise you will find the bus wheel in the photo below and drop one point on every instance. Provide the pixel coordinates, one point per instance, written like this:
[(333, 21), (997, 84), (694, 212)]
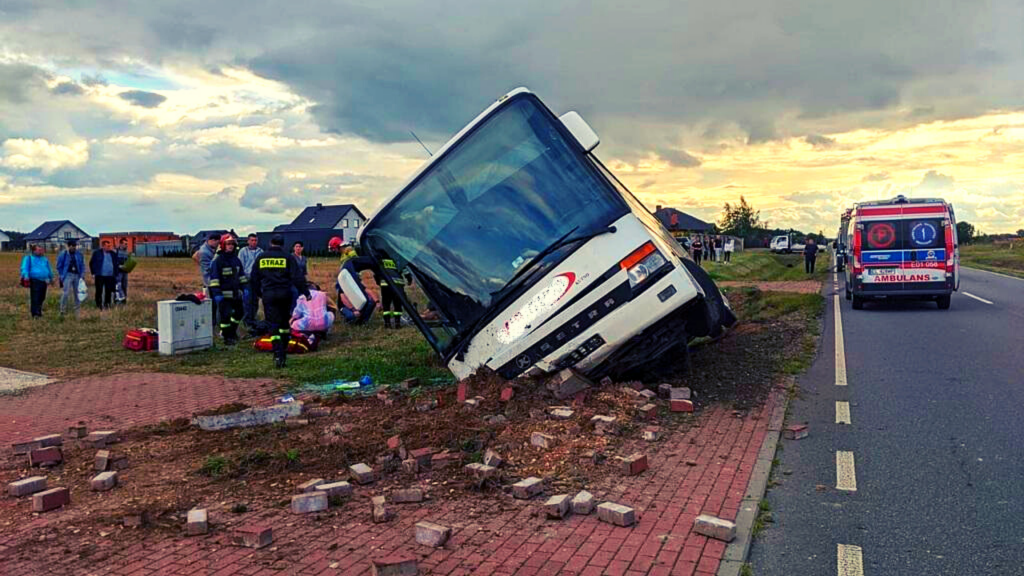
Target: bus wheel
[(858, 302), (943, 302)]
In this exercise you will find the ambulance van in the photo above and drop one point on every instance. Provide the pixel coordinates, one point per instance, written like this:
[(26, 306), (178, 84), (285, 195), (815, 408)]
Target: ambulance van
[(902, 248)]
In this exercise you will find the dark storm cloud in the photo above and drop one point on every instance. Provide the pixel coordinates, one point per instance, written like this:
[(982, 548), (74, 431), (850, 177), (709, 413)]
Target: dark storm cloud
[(819, 141), (678, 158), (143, 98), (17, 81)]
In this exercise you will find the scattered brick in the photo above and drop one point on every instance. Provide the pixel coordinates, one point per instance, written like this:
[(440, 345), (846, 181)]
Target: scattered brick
[(50, 440), (560, 412), (136, 519), (26, 446), (394, 442), (405, 495), (681, 393), (422, 456), (796, 432), (616, 514), (507, 393), (296, 422), (410, 466), (636, 385), (713, 527), (527, 488), (45, 457), (380, 509), (557, 507), (480, 472), (583, 503), (634, 464), (460, 392), (318, 412), (632, 393), (50, 499), (197, 523), (309, 502), (567, 383), (648, 394), (409, 383), (665, 390), (104, 481), (26, 486), (648, 412), (652, 433), (443, 459), (430, 534), (310, 485), (100, 438), (77, 432), (677, 405), (252, 536), (491, 458), (542, 440), (395, 565), (361, 473), (336, 489), (102, 460), (605, 425)]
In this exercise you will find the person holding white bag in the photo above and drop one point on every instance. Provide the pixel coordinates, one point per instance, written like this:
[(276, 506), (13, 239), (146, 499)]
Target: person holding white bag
[(70, 271)]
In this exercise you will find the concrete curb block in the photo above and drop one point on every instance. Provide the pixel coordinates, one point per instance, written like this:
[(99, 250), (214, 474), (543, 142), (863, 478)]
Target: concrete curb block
[(737, 550), (249, 417)]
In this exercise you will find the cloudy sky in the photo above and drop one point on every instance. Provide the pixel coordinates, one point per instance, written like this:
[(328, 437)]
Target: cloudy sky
[(192, 114)]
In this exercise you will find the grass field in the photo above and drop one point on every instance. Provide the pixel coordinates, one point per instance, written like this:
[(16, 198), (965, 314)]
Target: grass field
[(1004, 258), (762, 265), (67, 347)]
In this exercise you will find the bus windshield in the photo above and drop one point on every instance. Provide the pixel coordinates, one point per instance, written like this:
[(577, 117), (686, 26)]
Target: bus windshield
[(509, 189)]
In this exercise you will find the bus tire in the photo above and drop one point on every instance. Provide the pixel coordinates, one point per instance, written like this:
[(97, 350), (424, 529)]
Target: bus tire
[(858, 302), (943, 302)]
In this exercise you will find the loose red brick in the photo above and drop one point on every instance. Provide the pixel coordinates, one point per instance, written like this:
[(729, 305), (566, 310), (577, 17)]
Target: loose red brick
[(394, 565), (405, 495), (50, 499), (50, 440), (309, 485), (26, 446), (648, 412), (394, 442), (197, 522), (252, 536), (460, 393), (796, 432), (45, 457), (679, 405), (26, 486), (634, 464), (442, 460), (422, 456), (507, 393)]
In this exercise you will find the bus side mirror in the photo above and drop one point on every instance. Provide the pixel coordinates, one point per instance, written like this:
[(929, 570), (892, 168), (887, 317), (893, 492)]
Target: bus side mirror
[(582, 131)]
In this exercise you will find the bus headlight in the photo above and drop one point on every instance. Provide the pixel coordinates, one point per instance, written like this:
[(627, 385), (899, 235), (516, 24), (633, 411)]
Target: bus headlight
[(642, 263)]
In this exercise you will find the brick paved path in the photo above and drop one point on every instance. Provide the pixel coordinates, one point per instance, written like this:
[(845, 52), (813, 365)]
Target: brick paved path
[(120, 401), (493, 534)]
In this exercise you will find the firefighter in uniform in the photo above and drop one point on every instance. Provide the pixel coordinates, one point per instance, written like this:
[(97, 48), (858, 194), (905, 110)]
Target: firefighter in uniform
[(391, 286), (273, 276), (227, 282)]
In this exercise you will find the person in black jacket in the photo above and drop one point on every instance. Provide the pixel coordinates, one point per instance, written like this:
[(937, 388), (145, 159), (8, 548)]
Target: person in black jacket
[(104, 268), (227, 284), (810, 255), (274, 275)]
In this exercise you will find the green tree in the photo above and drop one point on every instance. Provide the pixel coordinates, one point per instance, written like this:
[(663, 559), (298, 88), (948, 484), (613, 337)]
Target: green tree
[(965, 232), (740, 219), (1020, 233)]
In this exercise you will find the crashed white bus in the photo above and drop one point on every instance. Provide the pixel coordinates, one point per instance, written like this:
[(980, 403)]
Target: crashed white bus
[(533, 257)]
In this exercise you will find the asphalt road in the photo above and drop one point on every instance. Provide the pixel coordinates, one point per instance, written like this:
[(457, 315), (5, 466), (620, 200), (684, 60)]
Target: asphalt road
[(936, 403)]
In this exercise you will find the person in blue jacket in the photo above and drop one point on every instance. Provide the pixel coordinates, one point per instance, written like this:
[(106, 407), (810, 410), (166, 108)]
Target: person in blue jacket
[(36, 272), (70, 271)]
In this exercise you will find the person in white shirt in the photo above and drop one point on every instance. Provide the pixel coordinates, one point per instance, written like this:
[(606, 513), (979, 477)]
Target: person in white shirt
[(730, 245)]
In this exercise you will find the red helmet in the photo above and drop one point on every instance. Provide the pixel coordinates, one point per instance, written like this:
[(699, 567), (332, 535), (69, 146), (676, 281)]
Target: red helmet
[(225, 239), (334, 244)]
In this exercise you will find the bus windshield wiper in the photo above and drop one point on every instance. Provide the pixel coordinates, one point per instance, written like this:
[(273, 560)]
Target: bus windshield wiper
[(506, 292), (565, 240)]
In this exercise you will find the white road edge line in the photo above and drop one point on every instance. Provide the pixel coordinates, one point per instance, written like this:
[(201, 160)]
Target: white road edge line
[(978, 298), (849, 560), (846, 474), (840, 346), (843, 413), (994, 273)]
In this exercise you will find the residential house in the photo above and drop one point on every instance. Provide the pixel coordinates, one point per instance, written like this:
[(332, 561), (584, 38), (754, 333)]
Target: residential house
[(136, 238), (4, 240), (54, 235), (316, 225), (196, 240), (681, 224)]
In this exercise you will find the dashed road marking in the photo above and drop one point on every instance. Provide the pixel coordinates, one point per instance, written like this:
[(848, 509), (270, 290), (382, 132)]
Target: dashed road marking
[(850, 560), (846, 475), (978, 298), (840, 346), (843, 413)]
